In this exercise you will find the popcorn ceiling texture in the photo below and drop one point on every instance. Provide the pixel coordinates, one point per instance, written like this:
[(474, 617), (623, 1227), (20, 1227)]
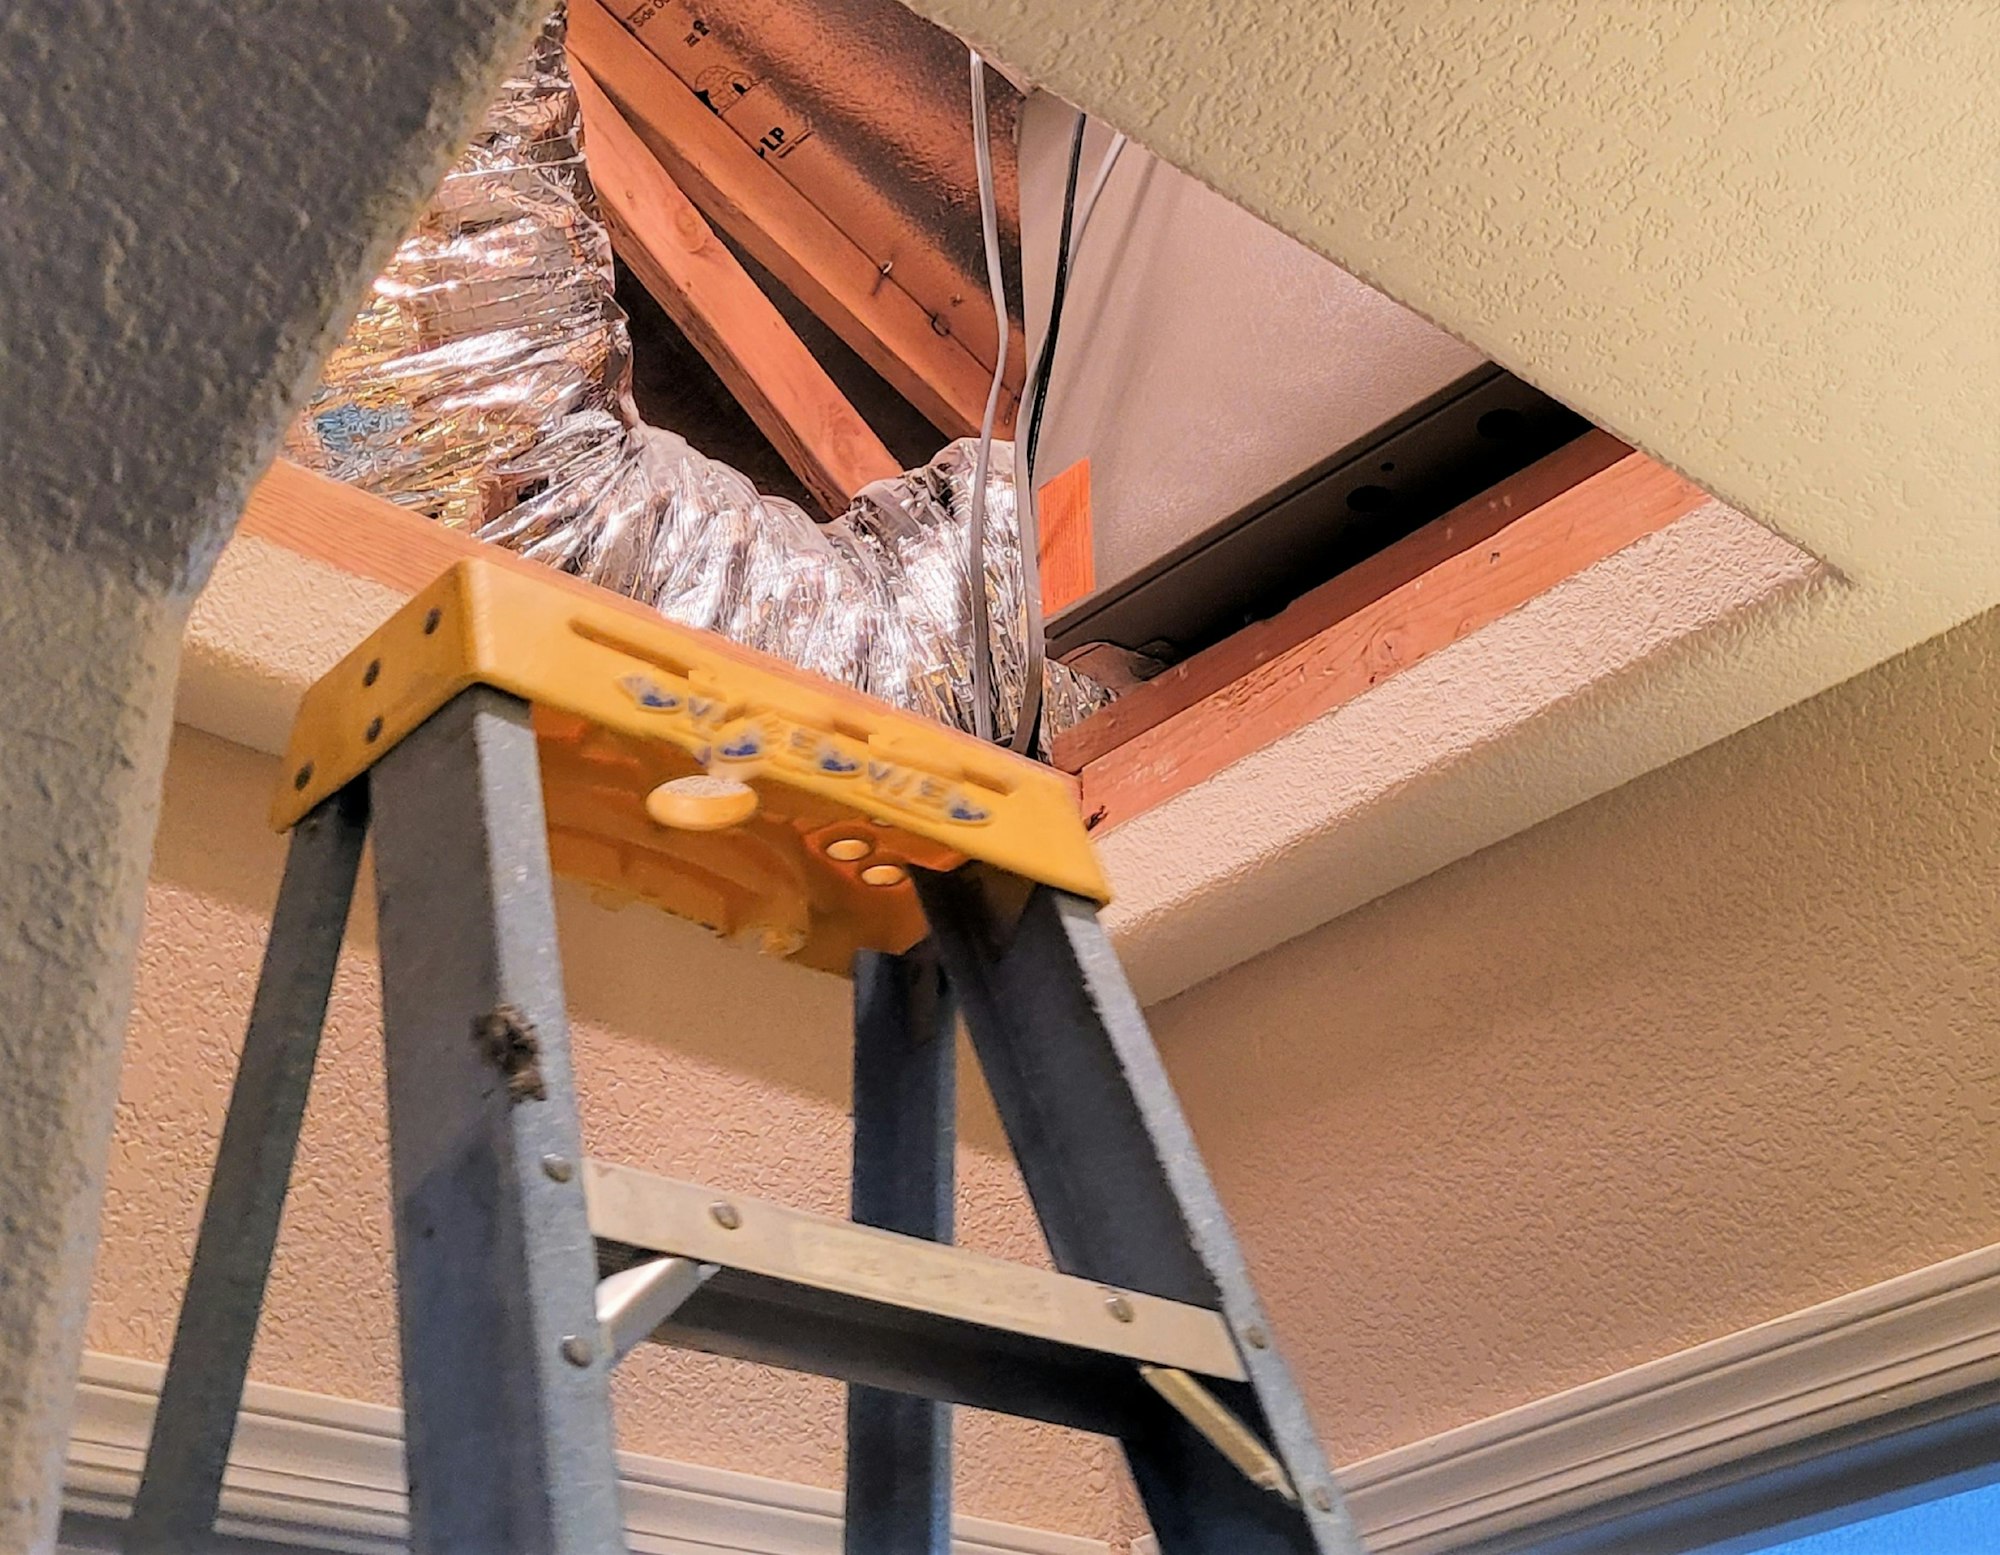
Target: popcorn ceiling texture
[(751, 1096)]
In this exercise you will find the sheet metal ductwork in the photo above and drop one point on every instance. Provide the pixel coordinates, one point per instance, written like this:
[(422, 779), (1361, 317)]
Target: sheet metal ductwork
[(486, 383)]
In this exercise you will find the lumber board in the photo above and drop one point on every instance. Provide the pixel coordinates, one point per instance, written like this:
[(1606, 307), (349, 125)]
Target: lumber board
[(758, 209), (1181, 686), (1067, 547), (1515, 560), (739, 332)]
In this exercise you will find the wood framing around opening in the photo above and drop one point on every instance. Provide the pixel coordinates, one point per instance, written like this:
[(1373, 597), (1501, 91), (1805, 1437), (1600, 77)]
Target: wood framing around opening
[(1467, 569), (1486, 558), (783, 230), (737, 329)]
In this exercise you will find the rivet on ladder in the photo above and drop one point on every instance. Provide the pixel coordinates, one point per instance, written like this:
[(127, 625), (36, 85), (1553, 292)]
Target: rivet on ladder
[(1256, 1338), (557, 1168), (1321, 1498), (725, 1215), (1118, 1307), (577, 1350)]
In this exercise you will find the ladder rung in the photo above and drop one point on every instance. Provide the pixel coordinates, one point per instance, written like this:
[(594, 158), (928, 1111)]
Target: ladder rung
[(817, 1294)]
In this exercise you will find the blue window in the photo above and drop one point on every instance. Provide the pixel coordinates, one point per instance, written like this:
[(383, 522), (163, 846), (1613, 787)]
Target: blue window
[(1967, 1523)]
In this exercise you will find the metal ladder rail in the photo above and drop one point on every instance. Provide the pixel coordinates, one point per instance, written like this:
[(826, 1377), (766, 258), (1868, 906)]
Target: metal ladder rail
[(1152, 1334)]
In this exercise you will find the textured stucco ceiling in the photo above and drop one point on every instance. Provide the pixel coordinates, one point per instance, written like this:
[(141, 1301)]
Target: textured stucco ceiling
[(1760, 242)]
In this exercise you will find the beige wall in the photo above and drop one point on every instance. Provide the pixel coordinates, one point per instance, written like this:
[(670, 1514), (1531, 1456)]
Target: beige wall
[(1696, 1054), (1716, 1046)]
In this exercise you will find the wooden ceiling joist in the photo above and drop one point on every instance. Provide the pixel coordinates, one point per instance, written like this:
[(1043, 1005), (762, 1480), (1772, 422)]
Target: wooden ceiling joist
[(781, 229), (1464, 571), (737, 329)]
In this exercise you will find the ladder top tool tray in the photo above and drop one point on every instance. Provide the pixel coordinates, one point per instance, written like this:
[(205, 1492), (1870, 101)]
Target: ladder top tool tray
[(720, 785)]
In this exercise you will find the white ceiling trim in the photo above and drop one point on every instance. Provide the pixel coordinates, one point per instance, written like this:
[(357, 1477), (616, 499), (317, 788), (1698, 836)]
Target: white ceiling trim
[(1854, 1364), (325, 1473)]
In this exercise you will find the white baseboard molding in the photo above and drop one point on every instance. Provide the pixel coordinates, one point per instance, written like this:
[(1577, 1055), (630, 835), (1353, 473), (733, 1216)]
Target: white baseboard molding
[(327, 1474), (1840, 1366)]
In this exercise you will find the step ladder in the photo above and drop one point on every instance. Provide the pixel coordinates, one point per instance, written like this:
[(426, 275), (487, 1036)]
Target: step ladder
[(503, 728)]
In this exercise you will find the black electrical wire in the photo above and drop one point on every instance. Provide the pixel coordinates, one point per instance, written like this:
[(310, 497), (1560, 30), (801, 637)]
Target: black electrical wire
[(1045, 359), (1029, 720)]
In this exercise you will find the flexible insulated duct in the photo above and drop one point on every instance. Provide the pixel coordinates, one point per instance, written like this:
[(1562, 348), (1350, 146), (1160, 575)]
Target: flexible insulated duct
[(486, 383)]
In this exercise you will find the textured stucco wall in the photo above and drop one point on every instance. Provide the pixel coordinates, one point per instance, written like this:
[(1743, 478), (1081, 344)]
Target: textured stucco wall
[(750, 1096), (85, 695), (1704, 1051), (195, 194), (1698, 1053)]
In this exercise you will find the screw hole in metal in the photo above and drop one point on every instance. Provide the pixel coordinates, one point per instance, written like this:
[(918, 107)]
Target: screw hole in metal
[(302, 777), (431, 620)]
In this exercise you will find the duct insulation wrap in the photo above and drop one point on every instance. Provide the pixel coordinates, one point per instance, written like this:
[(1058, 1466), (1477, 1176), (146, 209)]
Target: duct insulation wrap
[(486, 384)]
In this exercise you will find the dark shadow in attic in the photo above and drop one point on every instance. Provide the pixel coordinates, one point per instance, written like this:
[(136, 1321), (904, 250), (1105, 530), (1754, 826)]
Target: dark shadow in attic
[(676, 389)]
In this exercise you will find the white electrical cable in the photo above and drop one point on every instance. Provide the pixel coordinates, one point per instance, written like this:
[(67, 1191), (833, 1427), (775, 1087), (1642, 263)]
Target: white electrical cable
[(1084, 212), (989, 217), (1027, 510)]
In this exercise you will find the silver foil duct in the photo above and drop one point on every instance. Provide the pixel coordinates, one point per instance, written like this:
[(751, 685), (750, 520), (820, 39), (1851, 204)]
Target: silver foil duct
[(486, 384)]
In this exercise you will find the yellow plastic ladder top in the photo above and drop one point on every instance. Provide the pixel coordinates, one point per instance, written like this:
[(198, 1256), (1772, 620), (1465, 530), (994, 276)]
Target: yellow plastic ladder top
[(815, 803)]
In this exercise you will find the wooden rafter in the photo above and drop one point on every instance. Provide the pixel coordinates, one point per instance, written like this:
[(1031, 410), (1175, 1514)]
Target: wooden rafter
[(1183, 685), (1490, 556), (737, 329), (783, 230)]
